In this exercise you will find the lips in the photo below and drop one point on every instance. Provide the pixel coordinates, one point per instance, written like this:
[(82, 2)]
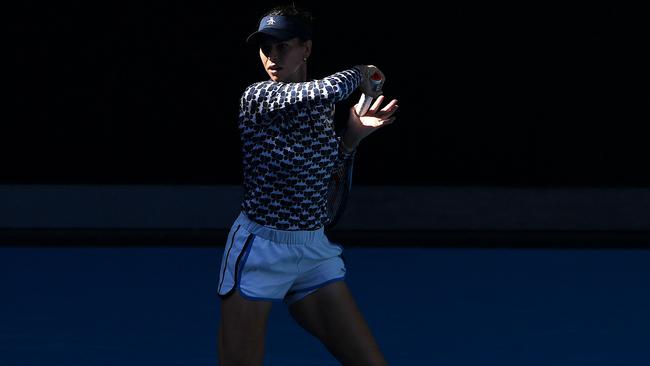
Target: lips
[(274, 68)]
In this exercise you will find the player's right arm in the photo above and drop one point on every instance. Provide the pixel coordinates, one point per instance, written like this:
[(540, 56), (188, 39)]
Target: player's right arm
[(262, 101)]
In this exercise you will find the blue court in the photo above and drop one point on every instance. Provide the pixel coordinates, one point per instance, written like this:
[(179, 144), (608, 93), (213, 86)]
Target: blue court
[(438, 306)]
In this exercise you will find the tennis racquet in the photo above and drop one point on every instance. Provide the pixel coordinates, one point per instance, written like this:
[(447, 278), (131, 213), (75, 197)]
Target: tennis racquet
[(338, 191), (366, 100), (341, 183)]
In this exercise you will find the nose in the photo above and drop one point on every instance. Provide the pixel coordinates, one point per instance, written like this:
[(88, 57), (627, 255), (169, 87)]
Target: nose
[(274, 54)]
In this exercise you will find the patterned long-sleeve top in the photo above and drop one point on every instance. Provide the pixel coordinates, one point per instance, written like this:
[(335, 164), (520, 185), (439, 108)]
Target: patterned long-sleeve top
[(290, 149)]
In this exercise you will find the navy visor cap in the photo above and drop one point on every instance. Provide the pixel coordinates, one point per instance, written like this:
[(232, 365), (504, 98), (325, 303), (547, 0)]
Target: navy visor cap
[(281, 28)]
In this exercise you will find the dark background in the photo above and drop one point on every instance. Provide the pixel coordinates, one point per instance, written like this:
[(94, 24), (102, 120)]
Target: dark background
[(147, 92)]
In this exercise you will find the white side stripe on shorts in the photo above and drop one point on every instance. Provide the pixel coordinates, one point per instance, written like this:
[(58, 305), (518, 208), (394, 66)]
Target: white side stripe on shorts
[(232, 242)]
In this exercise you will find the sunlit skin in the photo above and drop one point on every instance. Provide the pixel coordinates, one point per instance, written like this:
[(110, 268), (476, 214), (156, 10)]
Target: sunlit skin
[(359, 127), (374, 119)]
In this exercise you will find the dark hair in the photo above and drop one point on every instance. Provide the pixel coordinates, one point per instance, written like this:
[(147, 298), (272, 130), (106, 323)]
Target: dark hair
[(292, 11)]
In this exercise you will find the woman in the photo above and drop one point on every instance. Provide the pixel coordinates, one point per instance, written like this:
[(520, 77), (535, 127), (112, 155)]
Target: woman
[(277, 249)]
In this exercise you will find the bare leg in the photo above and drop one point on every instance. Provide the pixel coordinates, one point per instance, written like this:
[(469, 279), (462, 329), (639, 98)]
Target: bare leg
[(331, 314), (241, 331)]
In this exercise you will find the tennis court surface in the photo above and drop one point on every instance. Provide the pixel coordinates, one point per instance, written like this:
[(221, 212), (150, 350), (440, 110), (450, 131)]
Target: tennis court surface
[(427, 306)]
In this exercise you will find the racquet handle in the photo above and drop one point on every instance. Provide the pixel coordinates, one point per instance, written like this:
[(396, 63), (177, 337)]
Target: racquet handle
[(364, 104), (366, 100)]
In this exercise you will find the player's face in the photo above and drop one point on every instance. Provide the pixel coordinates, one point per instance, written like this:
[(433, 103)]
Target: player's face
[(285, 60)]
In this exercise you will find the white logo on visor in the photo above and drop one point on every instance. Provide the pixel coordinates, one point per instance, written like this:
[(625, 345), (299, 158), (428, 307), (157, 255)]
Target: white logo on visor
[(270, 21)]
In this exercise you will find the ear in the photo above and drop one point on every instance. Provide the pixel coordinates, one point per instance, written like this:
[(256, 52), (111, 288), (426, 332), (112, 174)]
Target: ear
[(307, 46)]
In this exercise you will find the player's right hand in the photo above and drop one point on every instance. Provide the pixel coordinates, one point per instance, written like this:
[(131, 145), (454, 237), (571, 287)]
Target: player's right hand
[(373, 81)]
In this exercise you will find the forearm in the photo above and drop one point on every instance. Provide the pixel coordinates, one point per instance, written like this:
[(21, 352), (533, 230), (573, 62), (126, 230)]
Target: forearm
[(349, 141)]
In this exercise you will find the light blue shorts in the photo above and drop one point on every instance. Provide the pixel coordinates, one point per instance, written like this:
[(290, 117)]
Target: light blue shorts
[(277, 265)]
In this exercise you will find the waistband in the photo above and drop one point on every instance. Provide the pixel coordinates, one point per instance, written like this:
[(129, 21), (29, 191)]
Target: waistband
[(281, 236)]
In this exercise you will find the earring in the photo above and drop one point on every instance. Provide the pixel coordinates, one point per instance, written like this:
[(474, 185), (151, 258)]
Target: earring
[(304, 59)]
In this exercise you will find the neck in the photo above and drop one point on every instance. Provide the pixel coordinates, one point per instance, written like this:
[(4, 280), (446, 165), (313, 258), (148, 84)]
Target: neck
[(300, 75)]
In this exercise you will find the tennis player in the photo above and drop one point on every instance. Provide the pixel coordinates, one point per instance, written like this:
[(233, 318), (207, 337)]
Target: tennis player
[(277, 250)]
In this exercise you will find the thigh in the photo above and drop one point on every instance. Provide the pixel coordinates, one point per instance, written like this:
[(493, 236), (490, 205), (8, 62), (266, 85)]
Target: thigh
[(332, 315), (241, 330)]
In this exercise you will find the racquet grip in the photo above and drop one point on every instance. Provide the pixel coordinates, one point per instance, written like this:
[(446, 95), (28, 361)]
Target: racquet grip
[(364, 104), (365, 101)]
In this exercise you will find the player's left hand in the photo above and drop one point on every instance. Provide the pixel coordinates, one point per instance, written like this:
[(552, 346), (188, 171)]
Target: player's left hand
[(374, 119)]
